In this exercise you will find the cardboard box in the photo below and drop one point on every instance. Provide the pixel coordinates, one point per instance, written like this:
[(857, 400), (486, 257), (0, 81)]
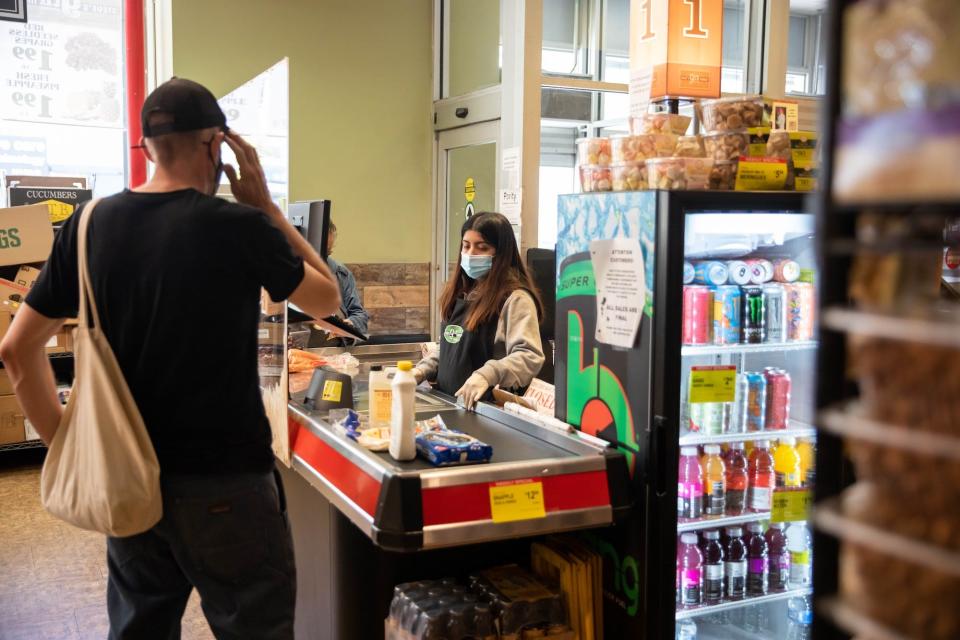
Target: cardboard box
[(6, 385), (6, 318), (12, 292), (29, 433), (62, 342), (27, 276), (11, 421), (26, 234)]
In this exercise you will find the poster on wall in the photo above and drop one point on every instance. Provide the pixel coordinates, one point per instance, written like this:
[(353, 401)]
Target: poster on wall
[(64, 65)]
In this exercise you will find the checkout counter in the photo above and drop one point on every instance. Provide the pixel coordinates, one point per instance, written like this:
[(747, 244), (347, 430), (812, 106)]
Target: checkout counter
[(363, 522)]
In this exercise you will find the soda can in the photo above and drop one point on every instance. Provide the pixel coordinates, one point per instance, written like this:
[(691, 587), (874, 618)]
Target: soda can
[(800, 309), (753, 317), (710, 418), (697, 308), (778, 398), (738, 272), (738, 421), (761, 271), (712, 273), (775, 314), (786, 270), (688, 272), (752, 407), (726, 314)]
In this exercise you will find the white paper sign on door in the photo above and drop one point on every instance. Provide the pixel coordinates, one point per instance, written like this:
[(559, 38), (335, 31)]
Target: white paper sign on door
[(621, 290)]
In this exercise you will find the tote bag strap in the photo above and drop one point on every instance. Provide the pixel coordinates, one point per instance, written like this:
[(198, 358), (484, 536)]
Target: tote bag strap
[(87, 303)]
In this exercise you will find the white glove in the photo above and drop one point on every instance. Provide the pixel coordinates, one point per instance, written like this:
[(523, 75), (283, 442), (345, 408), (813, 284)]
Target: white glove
[(472, 390)]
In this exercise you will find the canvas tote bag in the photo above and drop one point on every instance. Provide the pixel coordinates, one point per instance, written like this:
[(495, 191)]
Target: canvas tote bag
[(101, 472)]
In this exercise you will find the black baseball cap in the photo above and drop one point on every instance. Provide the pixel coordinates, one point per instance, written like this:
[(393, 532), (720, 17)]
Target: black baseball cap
[(191, 105)]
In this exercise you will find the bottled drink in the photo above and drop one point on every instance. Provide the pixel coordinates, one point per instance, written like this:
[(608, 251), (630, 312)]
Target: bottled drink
[(712, 567), (714, 481), (761, 478), (807, 451), (735, 565), (726, 314), (691, 571), (757, 561), (786, 464), (751, 410), (403, 445), (753, 317), (689, 485), (776, 316), (799, 619), (686, 630), (736, 471), (779, 557), (801, 563)]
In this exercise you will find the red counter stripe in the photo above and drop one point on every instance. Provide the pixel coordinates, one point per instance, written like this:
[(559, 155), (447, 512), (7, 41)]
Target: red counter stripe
[(465, 503), (338, 470)]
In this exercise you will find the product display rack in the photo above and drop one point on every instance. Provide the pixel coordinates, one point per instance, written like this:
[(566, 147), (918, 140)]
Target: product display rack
[(840, 415), (763, 347), (63, 370), (796, 430), (707, 609), (717, 522)]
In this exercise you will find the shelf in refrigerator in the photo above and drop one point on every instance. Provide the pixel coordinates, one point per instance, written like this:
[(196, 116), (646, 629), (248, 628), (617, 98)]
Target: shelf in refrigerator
[(764, 347), (938, 330), (854, 622), (746, 602), (720, 521), (796, 430)]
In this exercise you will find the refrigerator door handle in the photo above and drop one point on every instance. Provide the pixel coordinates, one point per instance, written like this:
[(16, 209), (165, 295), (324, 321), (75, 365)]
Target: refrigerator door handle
[(657, 452)]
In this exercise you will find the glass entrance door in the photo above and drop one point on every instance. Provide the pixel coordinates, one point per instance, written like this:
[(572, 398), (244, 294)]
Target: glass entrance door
[(466, 184)]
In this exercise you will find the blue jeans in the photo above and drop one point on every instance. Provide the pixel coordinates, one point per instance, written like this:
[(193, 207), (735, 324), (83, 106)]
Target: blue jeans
[(229, 537)]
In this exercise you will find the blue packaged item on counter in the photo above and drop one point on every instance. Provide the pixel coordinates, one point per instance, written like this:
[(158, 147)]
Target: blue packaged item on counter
[(448, 447)]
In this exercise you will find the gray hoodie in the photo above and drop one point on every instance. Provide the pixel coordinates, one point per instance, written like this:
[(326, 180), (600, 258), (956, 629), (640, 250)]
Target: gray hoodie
[(517, 350)]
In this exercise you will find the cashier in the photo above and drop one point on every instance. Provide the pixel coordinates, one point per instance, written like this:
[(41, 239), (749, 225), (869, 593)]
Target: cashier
[(490, 311)]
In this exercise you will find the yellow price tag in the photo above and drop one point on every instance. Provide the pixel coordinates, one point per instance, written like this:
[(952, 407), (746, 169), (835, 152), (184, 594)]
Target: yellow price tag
[(791, 505), (804, 158), (332, 391), (805, 184), (59, 211), (520, 501), (713, 384), (761, 174)]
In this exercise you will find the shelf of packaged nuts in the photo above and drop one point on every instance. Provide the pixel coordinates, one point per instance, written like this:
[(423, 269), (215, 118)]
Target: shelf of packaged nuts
[(850, 421), (941, 331)]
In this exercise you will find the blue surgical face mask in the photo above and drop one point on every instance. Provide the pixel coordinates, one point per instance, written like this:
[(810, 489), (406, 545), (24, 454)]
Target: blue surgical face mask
[(475, 266)]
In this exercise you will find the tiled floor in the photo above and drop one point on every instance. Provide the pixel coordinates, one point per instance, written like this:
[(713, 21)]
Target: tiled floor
[(52, 576)]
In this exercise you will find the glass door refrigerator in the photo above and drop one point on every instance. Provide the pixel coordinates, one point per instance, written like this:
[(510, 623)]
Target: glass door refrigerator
[(713, 399)]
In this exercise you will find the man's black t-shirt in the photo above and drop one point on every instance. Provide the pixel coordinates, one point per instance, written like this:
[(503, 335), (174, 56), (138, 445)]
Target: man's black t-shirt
[(177, 280)]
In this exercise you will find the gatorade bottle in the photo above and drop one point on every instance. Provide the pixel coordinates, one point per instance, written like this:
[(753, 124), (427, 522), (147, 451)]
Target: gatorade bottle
[(808, 452), (786, 464), (757, 561), (689, 485), (761, 478), (714, 482), (798, 544), (712, 567), (691, 571), (735, 565), (736, 480), (779, 557)]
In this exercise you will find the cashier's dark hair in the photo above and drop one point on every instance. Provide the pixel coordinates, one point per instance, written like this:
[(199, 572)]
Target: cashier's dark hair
[(507, 274)]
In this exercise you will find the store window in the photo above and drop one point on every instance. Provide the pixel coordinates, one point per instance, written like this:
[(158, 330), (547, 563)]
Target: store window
[(806, 48), (62, 91), (733, 73), (472, 49)]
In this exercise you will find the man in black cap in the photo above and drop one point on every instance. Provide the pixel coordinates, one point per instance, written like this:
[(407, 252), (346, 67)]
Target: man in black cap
[(177, 275)]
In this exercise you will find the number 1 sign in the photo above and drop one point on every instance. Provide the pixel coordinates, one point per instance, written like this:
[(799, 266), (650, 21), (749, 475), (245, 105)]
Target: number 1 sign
[(675, 49)]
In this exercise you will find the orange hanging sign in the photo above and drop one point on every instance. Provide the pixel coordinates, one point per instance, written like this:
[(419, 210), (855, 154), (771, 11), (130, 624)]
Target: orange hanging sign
[(676, 48)]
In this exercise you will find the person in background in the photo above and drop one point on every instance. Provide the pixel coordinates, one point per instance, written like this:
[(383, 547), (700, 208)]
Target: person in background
[(162, 255), (490, 309), (350, 307)]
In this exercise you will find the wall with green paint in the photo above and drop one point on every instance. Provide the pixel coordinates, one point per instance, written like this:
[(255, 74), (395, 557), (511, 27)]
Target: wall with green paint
[(360, 105)]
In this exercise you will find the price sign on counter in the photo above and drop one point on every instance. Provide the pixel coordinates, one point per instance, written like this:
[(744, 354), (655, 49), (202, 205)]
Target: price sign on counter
[(521, 500), (791, 506), (713, 384)]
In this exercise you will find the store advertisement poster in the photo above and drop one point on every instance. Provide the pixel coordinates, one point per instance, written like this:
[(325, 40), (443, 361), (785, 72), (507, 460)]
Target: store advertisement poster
[(603, 364), (64, 65)]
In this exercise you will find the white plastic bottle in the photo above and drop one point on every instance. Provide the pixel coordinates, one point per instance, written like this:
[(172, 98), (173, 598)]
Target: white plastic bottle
[(380, 397), (403, 445), (801, 560)]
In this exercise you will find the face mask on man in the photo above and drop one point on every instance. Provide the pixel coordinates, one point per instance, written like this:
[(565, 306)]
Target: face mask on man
[(475, 266)]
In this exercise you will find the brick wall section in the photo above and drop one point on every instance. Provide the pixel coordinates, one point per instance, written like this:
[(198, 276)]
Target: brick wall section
[(396, 295)]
